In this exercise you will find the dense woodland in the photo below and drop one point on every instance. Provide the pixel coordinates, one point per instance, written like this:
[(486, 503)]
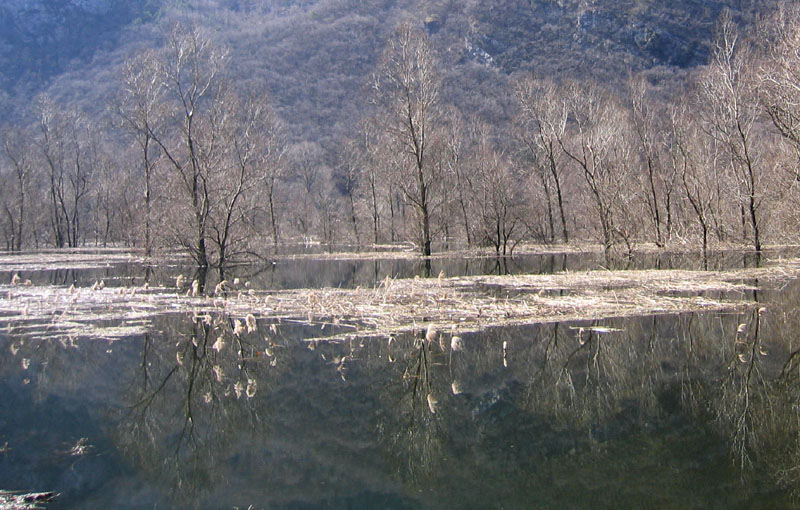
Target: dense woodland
[(230, 142)]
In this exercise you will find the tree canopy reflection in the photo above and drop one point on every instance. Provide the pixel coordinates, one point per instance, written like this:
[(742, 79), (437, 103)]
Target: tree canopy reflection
[(224, 410)]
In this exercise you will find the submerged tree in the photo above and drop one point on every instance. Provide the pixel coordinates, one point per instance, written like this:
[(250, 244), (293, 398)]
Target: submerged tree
[(498, 199), (217, 148), (597, 142), (251, 132), (15, 196), (541, 119), (406, 91), (349, 172), (306, 162), (370, 184), (273, 174), (694, 158), (192, 68), (727, 89), (68, 150), (140, 113), (658, 180)]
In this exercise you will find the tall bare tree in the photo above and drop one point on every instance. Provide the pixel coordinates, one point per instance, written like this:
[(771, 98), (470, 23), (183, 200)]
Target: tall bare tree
[(695, 158), (19, 156), (597, 142), (349, 171), (67, 146), (658, 187), (779, 75), (406, 90), (497, 195), (731, 115), (541, 120), (250, 131), (139, 109), (191, 67), (371, 183), (456, 169), (218, 150), (306, 162), (273, 175)]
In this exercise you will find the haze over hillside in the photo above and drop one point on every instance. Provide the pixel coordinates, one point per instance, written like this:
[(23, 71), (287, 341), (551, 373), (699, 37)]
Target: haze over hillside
[(314, 57)]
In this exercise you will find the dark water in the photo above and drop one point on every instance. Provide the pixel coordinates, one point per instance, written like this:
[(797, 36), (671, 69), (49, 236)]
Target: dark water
[(687, 411), (294, 273)]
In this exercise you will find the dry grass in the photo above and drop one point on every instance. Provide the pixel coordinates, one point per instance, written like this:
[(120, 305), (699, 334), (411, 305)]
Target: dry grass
[(66, 259), (461, 304), (93, 258), (473, 303)]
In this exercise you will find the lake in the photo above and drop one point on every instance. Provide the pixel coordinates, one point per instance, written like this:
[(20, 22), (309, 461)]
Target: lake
[(202, 409)]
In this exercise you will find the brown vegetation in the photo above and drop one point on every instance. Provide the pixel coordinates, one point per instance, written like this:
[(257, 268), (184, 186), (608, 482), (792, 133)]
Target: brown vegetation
[(453, 305)]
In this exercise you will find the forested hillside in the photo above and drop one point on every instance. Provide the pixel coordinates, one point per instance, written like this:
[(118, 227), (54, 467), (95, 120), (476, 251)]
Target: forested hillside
[(315, 56), (230, 127)]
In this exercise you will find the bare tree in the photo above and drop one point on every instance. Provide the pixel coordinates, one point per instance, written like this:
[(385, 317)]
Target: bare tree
[(139, 109), (731, 116), (406, 90), (306, 160), (695, 159), (456, 169), (597, 142), (50, 143), (497, 196), (217, 149), (273, 175), (779, 76), (371, 182), (331, 204), (249, 130), (107, 196), (644, 117), (541, 120), (191, 68), (67, 147), (349, 171), (19, 156)]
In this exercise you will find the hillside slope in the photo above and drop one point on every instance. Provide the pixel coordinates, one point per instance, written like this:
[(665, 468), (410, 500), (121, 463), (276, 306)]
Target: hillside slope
[(314, 57)]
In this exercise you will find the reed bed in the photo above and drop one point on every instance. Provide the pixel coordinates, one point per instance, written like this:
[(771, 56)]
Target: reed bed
[(394, 306), (67, 259)]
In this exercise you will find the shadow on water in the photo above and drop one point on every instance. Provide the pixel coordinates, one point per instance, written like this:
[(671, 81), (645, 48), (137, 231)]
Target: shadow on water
[(216, 411)]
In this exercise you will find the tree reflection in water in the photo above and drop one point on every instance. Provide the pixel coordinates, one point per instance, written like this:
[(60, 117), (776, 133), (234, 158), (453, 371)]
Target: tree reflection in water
[(194, 398), (214, 414), (580, 387), (415, 422)]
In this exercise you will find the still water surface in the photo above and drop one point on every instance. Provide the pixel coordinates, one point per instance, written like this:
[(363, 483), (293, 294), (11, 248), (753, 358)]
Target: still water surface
[(686, 411)]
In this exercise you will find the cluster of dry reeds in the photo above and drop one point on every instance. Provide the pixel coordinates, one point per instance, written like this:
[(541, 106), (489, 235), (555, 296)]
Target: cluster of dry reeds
[(395, 305)]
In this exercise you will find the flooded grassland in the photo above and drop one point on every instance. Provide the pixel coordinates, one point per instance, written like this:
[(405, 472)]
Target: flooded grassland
[(333, 382)]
